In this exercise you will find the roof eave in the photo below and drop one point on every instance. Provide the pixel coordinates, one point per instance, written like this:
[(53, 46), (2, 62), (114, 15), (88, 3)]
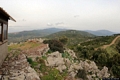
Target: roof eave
[(10, 18)]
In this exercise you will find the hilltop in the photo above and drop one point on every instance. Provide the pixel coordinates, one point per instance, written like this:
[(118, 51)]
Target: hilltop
[(74, 37), (70, 34)]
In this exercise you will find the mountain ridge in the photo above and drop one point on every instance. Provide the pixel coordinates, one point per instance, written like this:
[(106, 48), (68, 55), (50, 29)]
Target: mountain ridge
[(24, 35), (101, 32)]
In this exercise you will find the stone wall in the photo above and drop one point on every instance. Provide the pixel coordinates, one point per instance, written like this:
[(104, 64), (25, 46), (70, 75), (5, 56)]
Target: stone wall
[(3, 52), (16, 67)]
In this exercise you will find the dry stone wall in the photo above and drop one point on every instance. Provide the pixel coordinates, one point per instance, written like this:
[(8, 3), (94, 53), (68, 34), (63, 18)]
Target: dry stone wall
[(16, 67)]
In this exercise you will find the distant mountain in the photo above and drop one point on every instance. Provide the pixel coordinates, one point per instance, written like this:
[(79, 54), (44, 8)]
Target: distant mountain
[(101, 32), (20, 36)]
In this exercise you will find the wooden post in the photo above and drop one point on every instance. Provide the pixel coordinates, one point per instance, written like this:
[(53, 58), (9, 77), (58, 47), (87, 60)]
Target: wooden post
[(2, 36)]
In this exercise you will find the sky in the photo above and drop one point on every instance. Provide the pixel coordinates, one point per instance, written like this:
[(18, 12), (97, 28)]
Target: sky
[(68, 14)]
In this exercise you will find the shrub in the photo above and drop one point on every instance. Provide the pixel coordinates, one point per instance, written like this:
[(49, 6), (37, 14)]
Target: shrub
[(55, 45), (63, 39), (53, 74), (116, 71), (31, 62), (118, 46)]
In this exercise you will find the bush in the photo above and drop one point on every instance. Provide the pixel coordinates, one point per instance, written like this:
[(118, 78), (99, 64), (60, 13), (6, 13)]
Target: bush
[(116, 71), (31, 62), (118, 46), (63, 39), (55, 45), (102, 59)]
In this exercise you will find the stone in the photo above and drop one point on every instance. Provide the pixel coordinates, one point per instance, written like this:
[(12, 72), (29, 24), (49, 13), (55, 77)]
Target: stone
[(18, 69)]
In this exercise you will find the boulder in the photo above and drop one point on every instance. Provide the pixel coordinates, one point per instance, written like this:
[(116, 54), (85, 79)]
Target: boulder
[(55, 60)]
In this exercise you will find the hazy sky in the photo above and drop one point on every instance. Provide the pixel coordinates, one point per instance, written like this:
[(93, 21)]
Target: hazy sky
[(73, 14)]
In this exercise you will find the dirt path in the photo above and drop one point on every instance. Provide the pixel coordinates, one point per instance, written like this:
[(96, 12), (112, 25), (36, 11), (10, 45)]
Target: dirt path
[(105, 46)]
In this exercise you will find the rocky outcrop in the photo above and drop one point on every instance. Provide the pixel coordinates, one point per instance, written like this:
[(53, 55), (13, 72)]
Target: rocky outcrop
[(91, 70), (16, 67), (37, 51), (71, 52), (56, 60), (35, 40)]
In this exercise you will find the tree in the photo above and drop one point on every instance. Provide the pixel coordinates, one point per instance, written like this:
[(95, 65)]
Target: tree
[(63, 39), (116, 71), (116, 65), (118, 46), (102, 59), (55, 45)]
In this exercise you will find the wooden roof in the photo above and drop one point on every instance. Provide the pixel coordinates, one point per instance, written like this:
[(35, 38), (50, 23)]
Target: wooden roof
[(6, 14)]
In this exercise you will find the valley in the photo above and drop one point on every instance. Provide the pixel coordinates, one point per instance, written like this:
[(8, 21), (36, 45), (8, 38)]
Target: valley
[(67, 55)]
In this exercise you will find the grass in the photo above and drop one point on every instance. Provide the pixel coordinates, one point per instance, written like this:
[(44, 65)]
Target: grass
[(23, 46), (111, 50), (53, 74)]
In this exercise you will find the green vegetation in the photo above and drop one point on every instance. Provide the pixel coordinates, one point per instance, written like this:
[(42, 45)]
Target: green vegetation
[(65, 55), (49, 52), (23, 46), (70, 34), (53, 74), (63, 39), (85, 45), (111, 50), (24, 35), (99, 41), (55, 45), (108, 56), (49, 73), (31, 62), (118, 46), (44, 57), (71, 37)]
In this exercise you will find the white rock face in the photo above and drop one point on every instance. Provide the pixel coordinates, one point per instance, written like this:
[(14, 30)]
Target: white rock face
[(55, 60), (92, 70), (17, 68), (71, 52), (103, 72)]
